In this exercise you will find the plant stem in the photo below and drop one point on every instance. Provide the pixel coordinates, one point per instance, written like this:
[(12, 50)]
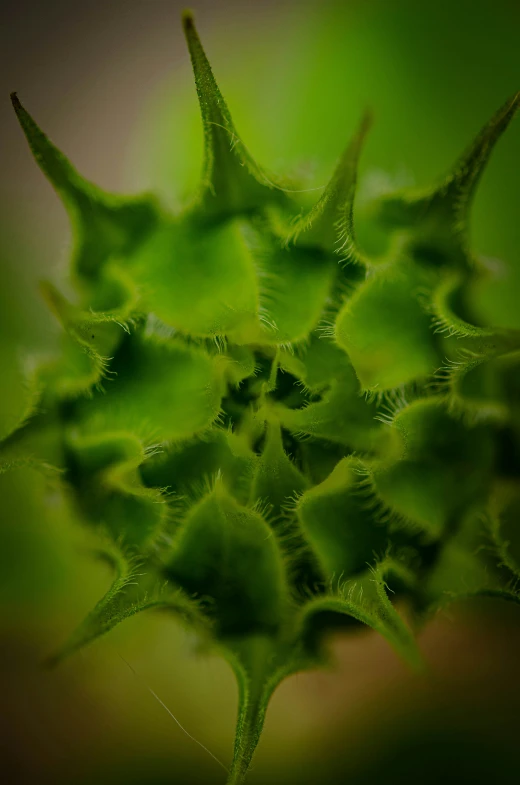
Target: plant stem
[(250, 721)]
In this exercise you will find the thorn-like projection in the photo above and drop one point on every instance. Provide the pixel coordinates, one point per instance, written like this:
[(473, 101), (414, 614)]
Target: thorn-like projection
[(440, 214), (104, 224), (461, 183), (65, 312), (56, 167), (330, 223), (231, 180)]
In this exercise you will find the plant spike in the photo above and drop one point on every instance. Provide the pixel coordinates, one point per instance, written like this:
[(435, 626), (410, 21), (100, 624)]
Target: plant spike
[(104, 224), (232, 182), (439, 215), (330, 223), (462, 182), (282, 444)]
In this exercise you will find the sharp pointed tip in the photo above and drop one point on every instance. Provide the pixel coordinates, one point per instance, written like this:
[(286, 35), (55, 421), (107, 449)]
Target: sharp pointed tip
[(45, 288), (511, 106), (365, 125), (53, 298), (188, 24), (24, 118), (515, 101), (17, 106), (198, 56), (367, 119), (507, 111)]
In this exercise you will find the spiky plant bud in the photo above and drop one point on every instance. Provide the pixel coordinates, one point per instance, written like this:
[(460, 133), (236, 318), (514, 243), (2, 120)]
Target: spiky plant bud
[(279, 429)]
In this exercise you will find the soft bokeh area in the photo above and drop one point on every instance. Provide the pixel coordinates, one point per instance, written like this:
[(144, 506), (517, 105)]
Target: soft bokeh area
[(111, 85)]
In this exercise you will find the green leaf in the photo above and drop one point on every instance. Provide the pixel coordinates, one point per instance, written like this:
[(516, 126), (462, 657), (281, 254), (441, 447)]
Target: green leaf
[(242, 364), (104, 224)]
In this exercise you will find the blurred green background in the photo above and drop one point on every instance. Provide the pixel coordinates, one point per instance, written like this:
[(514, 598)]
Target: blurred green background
[(111, 84)]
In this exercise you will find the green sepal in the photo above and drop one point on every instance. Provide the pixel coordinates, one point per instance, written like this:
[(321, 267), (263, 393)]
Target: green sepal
[(295, 286), (386, 332), (365, 601), (160, 389), (104, 469), (502, 524), (242, 364), (227, 554), (185, 465), (276, 480), (318, 364), (476, 377), (231, 281), (123, 601), (340, 415), (232, 182), (105, 225), (74, 372), (87, 345), (480, 561), (330, 223), (447, 298), (97, 333), (38, 538), (201, 283), (438, 217), (341, 530), (21, 391), (443, 468)]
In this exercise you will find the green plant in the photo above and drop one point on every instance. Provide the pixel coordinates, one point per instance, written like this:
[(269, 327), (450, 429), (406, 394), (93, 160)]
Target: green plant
[(274, 431)]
